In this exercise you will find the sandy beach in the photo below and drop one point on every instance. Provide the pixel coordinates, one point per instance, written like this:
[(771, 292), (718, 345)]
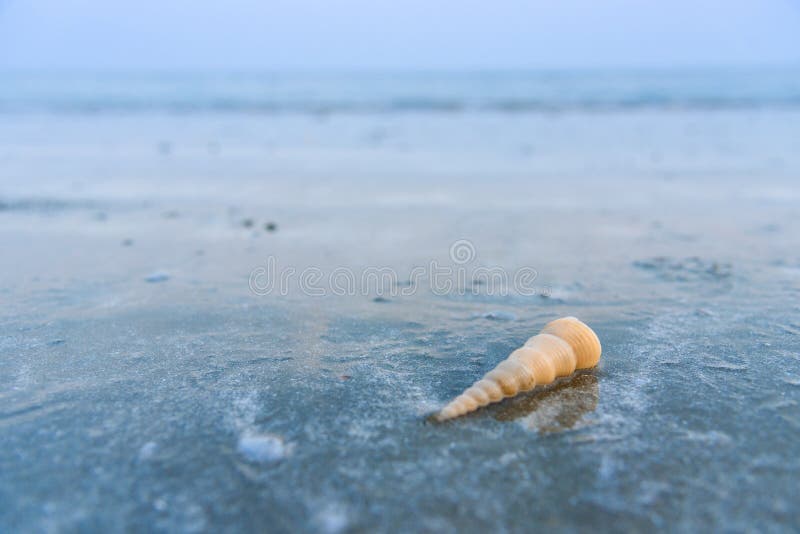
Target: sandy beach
[(147, 383)]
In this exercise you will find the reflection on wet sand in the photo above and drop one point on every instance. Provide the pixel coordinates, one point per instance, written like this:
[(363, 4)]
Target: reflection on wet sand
[(556, 408)]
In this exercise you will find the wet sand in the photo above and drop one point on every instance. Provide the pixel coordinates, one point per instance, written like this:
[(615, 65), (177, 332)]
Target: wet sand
[(144, 384)]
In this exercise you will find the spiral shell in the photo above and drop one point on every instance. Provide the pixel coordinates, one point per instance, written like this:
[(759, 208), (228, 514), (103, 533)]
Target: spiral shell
[(562, 346)]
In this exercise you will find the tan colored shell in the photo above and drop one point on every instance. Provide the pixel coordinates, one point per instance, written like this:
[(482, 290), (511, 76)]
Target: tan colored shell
[(562, 346)]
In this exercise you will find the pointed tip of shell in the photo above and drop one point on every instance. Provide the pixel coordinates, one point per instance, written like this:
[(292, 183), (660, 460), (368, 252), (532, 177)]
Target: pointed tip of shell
[(440, 417), (451, 410)]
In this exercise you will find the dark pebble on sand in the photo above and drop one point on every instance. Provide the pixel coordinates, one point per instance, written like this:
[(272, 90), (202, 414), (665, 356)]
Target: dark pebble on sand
[(380, 299), (164, 148), (270, 227), (248, 223), (499, 316)]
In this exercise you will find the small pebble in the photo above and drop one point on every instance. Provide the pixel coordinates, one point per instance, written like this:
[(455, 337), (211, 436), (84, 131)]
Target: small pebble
[(248, 223), (331, 519), (263, 448), (147, 450), (270, 227)]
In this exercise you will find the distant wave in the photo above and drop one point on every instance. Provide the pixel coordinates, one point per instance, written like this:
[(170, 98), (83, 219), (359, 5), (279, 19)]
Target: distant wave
[(421, 93), (416, 106)]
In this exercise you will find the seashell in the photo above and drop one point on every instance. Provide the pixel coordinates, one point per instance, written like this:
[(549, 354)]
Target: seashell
[(562, 346)]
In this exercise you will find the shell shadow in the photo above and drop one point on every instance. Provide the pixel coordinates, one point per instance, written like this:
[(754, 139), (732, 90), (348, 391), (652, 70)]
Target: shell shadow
[(553, 409)]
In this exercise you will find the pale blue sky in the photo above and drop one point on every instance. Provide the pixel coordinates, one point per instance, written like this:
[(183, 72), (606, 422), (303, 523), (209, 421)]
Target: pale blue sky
[(412, 34)]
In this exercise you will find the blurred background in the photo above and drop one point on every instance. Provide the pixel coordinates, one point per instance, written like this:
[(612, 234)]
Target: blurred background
[(641, 158)]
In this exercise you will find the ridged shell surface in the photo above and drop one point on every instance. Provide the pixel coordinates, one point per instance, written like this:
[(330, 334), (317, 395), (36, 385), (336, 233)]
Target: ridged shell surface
[(562, 346)]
